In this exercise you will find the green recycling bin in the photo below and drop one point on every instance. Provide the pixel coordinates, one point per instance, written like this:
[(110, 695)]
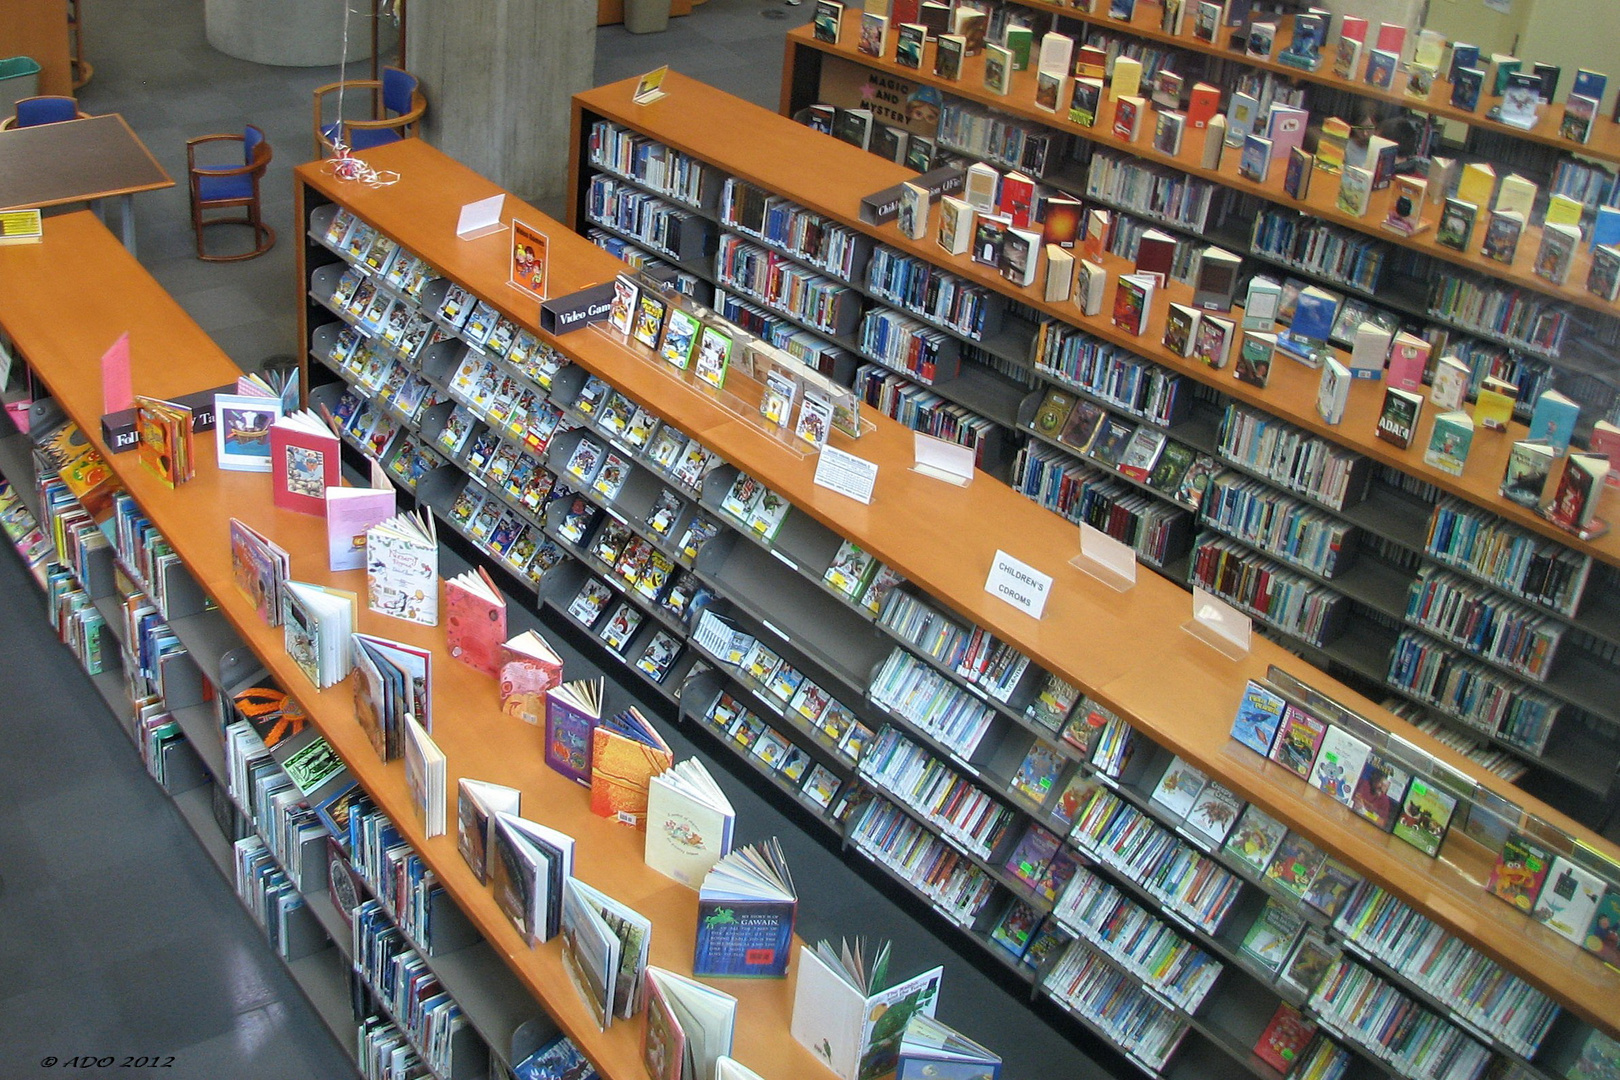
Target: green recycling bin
[(19, 78)]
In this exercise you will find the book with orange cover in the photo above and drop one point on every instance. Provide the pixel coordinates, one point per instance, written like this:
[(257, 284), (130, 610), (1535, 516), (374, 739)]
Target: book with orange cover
[(626, 753)]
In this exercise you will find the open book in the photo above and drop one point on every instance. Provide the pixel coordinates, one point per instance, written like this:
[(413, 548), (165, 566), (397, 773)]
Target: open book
[(477, 803), (689, 822), (604, 950), (528, 865), (848, 1016), (746, 909), (689, 1026), (929, 1050)]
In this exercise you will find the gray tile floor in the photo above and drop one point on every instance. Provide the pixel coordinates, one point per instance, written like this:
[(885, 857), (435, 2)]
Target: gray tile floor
[(117, 936)]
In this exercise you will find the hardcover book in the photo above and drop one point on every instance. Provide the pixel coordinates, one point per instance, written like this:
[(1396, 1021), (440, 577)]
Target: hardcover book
[(848, 1015), (304, 462), (572, 712), (402, 568), (1449, 441), (689, 1027), (626, 753), (475, 620), (477, 803), (746, 910), (1339, 763)]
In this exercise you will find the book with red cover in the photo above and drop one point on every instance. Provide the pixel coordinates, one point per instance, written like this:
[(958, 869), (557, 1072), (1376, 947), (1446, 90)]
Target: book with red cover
[(1156, 254), (626, 753), (1062, 224), (1407, 360), (1353, 27), (529, 667), (1202, 105), (304, 462), (476, 623), (1017, 199), (1095, 243), (1285, 1038), (1133, 299), (1391, 37)]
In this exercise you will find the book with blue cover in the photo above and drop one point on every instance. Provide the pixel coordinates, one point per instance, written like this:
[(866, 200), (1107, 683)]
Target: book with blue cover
[(1258, 717), (746, 909), (1554, 419)]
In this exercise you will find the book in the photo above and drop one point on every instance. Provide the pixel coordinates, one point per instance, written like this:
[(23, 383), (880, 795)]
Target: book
[(402, 568), (1285, 1038), (1605, 442), (316, 622), (424, 776), (1467, 85), (1580, 487), (1214, 813), (1039, 771), (1519, 871), (396, 681), (1180, 327), (1295, 865), (604, 951), (1133, 301), (1299, 737), (529, 667), (1179, 787), (1425, 815), (874, 39), (1125, 77), (949, 50), (1261, 304), (1212, 341), (1215, 285), (1449, 441), (1554, 418), (1380, 790), (747, 905), (242, 430), (1128, 113), (1405, 214), (573, 710), (1259, 716), (1253, 365), (848, 1014), (626, 753), (528, 864), (1448, 390), (1271, 936), (1313, 955), (1168, 128), (1355, 189), (1493, 404), (1297, 174), (930, 1049), (689, 1026), (1333, 392), (304, 462), (1203, 103), (1556, 254), (908, 45), (1604, 277), (713, 356), (689, 822), (259, 566), (1339, 764), (827, 20), (998, 68), (955, 232), (475, 620), (1060, 265), (1568, 900), (1603, 935), (1502, 235), (1255, 162), (1397, 420), (1255, 838), (477, 803), (1015, 928), (1089, 285)]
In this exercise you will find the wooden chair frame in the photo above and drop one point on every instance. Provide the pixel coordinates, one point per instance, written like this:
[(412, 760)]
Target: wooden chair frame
[(401, 123), (264, 237)]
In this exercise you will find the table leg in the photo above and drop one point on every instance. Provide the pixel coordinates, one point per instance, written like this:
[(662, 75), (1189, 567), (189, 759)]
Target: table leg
[(128, 203)]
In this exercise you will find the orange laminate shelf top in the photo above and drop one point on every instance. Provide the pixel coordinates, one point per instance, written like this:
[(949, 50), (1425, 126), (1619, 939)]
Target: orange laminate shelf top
[(1128, 648), (1319, 203), (171, 355), (1604, 143), (831, 177)]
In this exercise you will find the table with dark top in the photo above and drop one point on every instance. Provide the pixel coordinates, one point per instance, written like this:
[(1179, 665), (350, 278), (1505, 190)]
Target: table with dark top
[(98, 157)]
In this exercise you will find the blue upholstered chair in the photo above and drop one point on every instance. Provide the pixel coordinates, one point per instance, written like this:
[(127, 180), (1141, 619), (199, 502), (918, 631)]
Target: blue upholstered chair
[(396, 104), (49, 109), (230, 187)]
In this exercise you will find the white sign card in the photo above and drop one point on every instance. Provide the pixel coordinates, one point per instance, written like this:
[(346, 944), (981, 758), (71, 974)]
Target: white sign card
[(943, 460), (1110, 561), (1219, 625), (846, 474), (480, 218), (1018, 583)]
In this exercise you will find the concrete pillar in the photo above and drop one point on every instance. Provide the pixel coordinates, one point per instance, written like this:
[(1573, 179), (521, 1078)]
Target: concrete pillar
[(498, 75), (288, 33)]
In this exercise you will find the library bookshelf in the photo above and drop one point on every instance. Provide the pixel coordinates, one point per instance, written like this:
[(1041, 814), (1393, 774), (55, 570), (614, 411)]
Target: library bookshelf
[(1127, 650)]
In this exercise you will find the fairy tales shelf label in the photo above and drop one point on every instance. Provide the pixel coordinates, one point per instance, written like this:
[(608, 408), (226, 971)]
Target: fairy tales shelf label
[(1019, 584)]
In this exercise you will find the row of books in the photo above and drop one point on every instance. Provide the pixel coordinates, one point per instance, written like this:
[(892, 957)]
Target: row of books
[(941, 796), (783, 224), (667, 171), (1121, 379), (1294, 604), (1472, 692), (1142, 187), (1293, 458), (1393, 1027), (1005, 140), (1460, 977), (924, 410), (778, 282), (972, 654), (1080, 492), (667, 228), (921, 288), (23, 531), (1523, 318), (642, 261), (908, 346), (1118, 1005), (274, 901), (1483, 623), (1285, 528), (1316, 247), (1506, 556), (911, 689), (957, 886), (414, 998), (1143, 452)]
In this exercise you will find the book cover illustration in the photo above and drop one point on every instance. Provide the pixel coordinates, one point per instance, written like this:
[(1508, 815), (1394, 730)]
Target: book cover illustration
[(1425, 816), (1256, 838), (1519, 871), (1569, 899), (1296, 864), (1259, 715), (1380, 791)]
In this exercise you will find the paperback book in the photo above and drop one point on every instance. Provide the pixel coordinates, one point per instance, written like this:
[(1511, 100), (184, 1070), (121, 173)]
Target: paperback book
[(746, 910)]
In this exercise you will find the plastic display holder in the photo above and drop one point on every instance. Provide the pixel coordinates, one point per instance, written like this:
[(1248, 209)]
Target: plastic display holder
[(739, 406), (1219, 625), (481, 218), (942, 459), (1108, 560)]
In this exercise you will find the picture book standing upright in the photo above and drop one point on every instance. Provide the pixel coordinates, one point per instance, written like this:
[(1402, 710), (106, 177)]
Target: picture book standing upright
[(746, 910), (626, 753), (847, 1013)]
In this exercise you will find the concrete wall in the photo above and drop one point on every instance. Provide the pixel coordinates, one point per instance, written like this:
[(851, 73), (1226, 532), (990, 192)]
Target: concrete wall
[(498, 76)]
